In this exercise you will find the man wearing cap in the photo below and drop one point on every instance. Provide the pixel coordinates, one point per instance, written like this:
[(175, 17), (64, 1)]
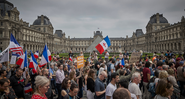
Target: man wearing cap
[(177, 62)]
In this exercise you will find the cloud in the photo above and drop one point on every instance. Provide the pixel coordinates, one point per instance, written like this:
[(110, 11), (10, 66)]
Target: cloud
[(80, 18)]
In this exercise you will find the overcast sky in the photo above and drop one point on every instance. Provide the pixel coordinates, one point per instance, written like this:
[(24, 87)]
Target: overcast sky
[(115, 18)]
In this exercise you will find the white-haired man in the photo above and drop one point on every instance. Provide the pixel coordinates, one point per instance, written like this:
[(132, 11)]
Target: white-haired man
[(133, 86)]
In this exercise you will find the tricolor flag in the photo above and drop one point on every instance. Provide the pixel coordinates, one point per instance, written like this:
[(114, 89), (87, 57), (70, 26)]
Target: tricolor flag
[(14, 46), (28, 88), (123, 62), (70, 58), (46, 56), (103, 45), (33, 63), (23, 62), (36, 55)]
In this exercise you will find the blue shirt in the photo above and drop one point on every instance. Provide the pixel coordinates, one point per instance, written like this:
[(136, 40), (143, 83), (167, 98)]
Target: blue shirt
[(99, 86), (51, 71), (68, 67)]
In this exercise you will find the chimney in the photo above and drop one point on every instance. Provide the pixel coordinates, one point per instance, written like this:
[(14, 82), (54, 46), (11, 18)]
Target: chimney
[(157, 17), (42, 20)]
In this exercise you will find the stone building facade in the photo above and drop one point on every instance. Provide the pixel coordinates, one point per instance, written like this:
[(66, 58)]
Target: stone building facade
[(160, 35)]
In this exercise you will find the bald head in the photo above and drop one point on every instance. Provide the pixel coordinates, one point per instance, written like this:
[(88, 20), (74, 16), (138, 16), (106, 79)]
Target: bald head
[(120, 92)]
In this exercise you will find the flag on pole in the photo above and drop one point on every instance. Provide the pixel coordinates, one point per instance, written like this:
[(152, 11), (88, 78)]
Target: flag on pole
[(4, 56), (28, 88), (33, 62), (103, 45), (123, 62), (70, 58), (14, 46), (46, 56), (23, 62), (36, 55)]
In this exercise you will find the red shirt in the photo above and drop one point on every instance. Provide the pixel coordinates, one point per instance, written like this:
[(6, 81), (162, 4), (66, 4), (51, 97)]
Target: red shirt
[(36, 96), (145, 72)]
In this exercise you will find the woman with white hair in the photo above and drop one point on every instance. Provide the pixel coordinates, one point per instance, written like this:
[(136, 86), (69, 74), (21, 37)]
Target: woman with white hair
[(42, 85)]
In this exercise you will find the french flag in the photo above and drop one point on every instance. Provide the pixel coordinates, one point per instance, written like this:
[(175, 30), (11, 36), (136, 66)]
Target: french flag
[(28, 88), (70, 58), (46, 56), (36, 55), (103, 45), (14, 46), (23, 62), (33, 63)]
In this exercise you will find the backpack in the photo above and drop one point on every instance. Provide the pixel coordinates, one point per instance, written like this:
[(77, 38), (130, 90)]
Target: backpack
[(152, 89), (108, 67)]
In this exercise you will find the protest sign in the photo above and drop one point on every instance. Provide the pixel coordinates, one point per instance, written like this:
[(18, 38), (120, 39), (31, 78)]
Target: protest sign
[(4, 56), (13, 59), (135, 57), (80, 61)]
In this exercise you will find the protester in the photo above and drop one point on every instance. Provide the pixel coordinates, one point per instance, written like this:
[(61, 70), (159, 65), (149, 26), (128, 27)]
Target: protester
[(99, 86), (106, 56), (59, 79), (90, 84), (17, 82), (164, 90), (42, 84), (5, 91), (133, 86), (146, 79), (73, 91), (121, 93), (112, 85), (66, 84)]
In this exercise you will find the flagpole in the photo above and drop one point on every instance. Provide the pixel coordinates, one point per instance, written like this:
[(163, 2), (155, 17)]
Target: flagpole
[(27, 61), (8, 59)]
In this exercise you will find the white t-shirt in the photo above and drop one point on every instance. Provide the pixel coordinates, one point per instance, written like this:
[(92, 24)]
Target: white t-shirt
[(110, 90), (133, 88), (133, 96), (107, 55)]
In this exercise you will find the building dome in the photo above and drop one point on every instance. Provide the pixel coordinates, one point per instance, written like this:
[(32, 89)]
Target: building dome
[(153, 19), (45, 21)]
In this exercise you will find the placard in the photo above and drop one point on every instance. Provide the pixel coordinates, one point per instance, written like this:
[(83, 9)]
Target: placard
[(135, 57), (13, 59), (80, 61)]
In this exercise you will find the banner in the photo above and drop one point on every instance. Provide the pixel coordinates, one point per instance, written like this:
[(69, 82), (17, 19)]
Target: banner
[(80, 61), (135, 57), (4, 56)]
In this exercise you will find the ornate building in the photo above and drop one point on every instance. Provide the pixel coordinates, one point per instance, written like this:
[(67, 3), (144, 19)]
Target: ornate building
[(160, 35)]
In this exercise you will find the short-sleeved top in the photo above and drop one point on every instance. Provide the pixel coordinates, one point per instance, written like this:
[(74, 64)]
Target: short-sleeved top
[(180, 75), (160, 97), (110, 89), (133, 88), (112, 67), (99, 86), (145, 72), (107, 55), (36, 96), (70, 54)]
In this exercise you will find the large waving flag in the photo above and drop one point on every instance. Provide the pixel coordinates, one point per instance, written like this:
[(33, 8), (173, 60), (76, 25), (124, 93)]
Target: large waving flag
[(14, 46), (46, 56), (23, 61), (33, 62), (36, 55), (103, 45)]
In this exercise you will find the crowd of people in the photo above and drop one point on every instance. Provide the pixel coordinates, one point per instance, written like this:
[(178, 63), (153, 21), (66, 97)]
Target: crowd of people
[(151, 77)]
